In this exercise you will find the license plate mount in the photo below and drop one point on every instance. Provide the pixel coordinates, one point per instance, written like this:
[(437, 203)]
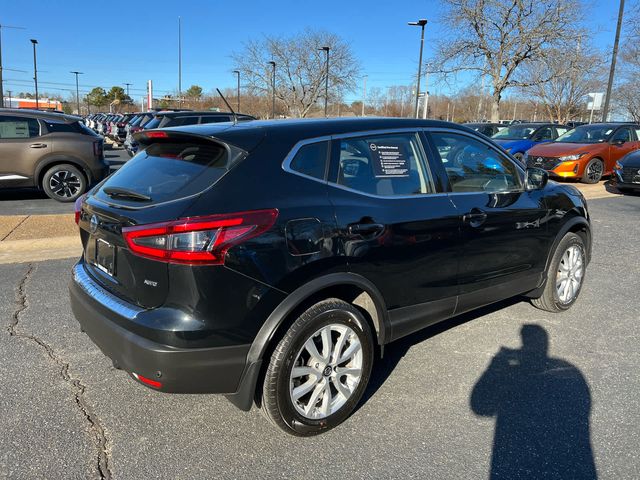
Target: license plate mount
[(105, 258)]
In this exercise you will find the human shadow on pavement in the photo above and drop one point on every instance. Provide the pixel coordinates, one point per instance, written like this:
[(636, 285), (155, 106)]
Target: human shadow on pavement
[(541, 407), (395, 351)]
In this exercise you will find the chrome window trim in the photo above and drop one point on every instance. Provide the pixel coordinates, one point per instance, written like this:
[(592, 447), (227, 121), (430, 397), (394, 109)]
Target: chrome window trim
[(286, 164), (100, 295)]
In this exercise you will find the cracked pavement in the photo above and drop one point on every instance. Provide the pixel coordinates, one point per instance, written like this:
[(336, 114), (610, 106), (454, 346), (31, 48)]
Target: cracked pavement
[(67, 413)]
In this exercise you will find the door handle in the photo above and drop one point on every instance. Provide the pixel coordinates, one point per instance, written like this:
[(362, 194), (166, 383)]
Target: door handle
[(38, 145), (475, 218), (365, 228)]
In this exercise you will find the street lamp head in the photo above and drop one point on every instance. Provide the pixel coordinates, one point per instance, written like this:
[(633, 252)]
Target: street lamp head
[(272, 63), (326, 49), (34, 41), (420, 23), (237, 71)]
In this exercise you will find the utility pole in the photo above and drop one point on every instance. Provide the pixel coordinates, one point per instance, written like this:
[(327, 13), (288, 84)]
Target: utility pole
[(1, 87), (605, 110), (364, 94), (179, 61), (237, 72), (35, 70), (273, 88), (77, 91), (420, 23), (326, 80), (10, 105), (127, 85)]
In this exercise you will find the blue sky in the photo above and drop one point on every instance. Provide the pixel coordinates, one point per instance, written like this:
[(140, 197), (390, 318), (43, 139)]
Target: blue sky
[(114, 42)]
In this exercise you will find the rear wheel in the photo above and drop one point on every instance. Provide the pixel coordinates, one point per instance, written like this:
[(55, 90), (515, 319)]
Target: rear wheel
[(64, 183), (565, 275), (593, 171), (319, 370)]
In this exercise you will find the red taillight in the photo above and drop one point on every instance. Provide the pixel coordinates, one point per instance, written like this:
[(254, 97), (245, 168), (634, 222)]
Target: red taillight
[(77, 207), (147, 381), (198, 240), (156, 135)]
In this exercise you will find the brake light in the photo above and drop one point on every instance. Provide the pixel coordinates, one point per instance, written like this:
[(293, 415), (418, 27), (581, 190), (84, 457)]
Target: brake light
[(198, 240), (156, 135), (77, 207)]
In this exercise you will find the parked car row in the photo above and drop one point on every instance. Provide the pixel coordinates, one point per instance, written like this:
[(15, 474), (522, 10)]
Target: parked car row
[(121, 127), (586, 152)]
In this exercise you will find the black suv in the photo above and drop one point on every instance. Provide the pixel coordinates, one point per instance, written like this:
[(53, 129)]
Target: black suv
[(271, 261)]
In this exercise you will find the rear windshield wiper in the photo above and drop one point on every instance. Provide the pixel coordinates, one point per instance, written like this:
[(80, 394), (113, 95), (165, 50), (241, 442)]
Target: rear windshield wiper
[(119, 192)]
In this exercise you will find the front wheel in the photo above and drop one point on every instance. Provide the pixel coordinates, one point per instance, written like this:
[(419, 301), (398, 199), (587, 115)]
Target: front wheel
[(64, 183), (565, 275), (593, 171), (319, 370)]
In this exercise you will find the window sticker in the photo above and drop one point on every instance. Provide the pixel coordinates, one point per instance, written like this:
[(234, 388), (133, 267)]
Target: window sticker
[(389, 159), (14, 129)]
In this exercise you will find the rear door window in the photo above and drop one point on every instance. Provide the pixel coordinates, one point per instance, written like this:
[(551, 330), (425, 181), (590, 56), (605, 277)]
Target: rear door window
[(384, 165), (18, 127), (215, 119), (170, 171), (181, 121)]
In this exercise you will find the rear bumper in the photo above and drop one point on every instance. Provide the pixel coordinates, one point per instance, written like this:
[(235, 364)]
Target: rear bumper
[(185, 370)]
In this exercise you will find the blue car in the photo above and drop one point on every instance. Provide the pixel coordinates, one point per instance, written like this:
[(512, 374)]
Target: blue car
[(518, 138)]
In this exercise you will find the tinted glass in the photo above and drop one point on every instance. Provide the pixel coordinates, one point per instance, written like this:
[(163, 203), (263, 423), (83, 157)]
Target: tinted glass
[(153, 123), (18, 127), (74, 127), (515, 132), (215, 119), (545, 133), (473, 166), (311, 160), (179, 121), (587, 134), (385, 165), (167, 171), (623, 134)]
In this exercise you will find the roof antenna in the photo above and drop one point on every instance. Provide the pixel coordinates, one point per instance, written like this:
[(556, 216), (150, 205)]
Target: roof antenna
[(235, 117)]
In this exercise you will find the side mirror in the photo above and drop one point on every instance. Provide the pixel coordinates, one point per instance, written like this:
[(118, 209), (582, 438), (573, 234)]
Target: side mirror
[(535, 178), (618, 142)]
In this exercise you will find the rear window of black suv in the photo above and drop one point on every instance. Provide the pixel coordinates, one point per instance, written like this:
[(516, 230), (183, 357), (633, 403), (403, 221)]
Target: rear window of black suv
[(170, 171)]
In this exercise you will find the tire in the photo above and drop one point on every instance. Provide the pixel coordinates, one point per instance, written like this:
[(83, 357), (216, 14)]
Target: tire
[(312, 412), (551, 299), (593, 171), (64, 183)]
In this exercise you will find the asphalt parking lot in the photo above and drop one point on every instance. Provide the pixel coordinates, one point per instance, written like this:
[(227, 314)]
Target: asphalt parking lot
[(67, 413), (30, 201)]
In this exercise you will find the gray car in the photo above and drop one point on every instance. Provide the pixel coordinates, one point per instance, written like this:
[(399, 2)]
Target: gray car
[(51, 151)]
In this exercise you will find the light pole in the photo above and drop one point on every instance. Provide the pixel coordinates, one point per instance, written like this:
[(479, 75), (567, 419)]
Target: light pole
[(35, 70), (425, 111), (605, 110), (421, 23), (273, 89), (237, 72), (326, 80), (77, 90), (179, 61), (128, 85)]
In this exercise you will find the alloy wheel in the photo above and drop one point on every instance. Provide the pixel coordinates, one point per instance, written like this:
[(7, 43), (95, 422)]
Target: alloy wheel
[(65, 184), (594, 171), (326, 372), (570, 274)]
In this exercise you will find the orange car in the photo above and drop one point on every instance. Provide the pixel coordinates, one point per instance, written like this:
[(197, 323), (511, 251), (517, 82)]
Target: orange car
[(587, 152)]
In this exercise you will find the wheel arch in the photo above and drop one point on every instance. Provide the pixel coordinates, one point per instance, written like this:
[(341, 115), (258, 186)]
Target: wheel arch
[(350, 287), (45, 165)]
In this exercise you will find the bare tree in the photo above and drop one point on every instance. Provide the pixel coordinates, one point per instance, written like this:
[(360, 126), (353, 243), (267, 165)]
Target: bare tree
[(496, 37), (563, 78), (300, 69)]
